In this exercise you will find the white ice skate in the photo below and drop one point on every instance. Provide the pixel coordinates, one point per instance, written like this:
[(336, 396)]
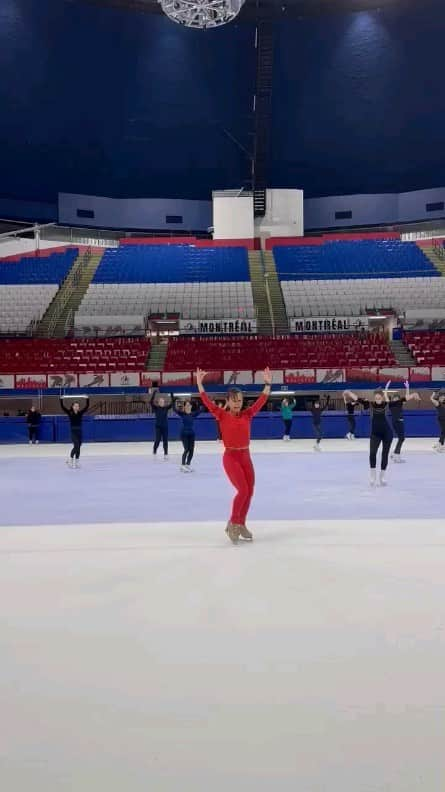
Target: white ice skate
[(317, 447), (382, 479), (373, 478), (70, 462)]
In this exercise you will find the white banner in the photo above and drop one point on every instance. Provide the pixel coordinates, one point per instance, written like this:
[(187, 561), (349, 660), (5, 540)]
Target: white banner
[(276, 376), (6, 381), (217, 326), (394, 373), (176, 378), (238, 378), (329, 324), (62, 380), (362, 374), (299, 376), (420, 374), (129, 379), (148, 378), (327, 376), (94, 380), (438, 373), (32, 381)]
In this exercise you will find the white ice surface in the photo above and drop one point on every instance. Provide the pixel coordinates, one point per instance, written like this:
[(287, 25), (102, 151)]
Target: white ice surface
[(159, 657)]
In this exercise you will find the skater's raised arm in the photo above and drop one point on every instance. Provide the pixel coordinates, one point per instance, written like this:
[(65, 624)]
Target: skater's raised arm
[(262, 399), (352, 396), (385, 392), (154, 393), (326, 404), (85, 408), (408, 395), (65, 409), (434, 400), (211, 406)]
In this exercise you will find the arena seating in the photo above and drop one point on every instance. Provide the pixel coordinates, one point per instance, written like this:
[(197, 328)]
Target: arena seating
[(252, 354), (359, 259), (28, 286), (428, 347), (195, 283), (35, 356), (343, 297)]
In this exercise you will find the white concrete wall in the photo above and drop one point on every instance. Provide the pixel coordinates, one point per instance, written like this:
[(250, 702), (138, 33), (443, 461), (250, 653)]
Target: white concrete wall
[(15, 247), (232, 216), (284, 214)]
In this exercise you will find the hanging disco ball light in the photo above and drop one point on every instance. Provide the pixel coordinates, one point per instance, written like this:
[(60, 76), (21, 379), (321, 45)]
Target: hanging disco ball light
[(202, 13)]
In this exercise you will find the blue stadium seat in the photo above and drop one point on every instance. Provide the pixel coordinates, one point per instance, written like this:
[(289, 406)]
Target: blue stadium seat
[(361, 259), (172, 264), (48, 269)]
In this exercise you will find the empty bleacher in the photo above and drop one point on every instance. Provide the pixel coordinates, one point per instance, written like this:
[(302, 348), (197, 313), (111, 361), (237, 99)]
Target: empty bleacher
[(358, 297), (27, 287), (359, 259), (193, 283), (34, 356), (427, 347), (253, 354)]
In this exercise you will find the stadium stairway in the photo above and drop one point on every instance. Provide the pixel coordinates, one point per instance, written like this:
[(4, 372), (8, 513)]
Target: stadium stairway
[(57, 321), (402, 354), (432, 254), (156, 358), (259, 293), (280, 319)]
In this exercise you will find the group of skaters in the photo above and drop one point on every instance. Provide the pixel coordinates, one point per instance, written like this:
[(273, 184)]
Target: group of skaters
[(234, 424)]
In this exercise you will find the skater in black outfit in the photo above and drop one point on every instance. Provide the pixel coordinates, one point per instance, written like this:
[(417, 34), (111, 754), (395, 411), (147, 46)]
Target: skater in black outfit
[(187, 414), (75, 415), (33, 418), (381, 432), (350, 405), (160, 410), (439, 404), (397, 419), (317, 411)]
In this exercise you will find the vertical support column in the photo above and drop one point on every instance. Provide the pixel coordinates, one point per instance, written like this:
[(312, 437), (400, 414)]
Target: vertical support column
[(262, 109)]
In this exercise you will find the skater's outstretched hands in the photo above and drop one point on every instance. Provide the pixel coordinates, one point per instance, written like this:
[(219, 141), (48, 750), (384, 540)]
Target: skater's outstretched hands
[(200, 375), (388, 385), (267, 377)]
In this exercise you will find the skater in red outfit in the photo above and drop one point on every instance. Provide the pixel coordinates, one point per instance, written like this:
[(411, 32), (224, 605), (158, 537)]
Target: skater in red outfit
[(234, 424)]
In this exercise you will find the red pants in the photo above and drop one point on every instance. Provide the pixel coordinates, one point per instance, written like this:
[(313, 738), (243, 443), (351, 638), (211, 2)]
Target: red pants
[(240, 472)]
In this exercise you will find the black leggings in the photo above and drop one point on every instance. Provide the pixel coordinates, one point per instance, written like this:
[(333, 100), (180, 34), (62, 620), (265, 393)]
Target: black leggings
[(375, 440), (317, 430), (161, 433), (351, 423), (442, 433), (399, 428), (76, 439), (287, 426), (32, 432), (188, 441)]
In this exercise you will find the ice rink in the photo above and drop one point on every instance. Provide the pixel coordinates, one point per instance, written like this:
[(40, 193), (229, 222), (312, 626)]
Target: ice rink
[(141, 651)]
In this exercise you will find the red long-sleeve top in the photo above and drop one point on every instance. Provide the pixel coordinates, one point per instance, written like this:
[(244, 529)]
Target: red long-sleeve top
[(235, 429)]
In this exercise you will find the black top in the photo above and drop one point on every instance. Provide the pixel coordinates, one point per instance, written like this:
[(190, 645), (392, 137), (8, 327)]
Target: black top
[(33, 417), (379, 424), (441, 413), (350, 406), (188, 420), (317, 412), (75, 418), (396, 409), (160, 413)]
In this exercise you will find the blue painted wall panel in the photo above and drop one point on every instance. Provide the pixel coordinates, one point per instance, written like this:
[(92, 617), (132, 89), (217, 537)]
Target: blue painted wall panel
[(266, 425)]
